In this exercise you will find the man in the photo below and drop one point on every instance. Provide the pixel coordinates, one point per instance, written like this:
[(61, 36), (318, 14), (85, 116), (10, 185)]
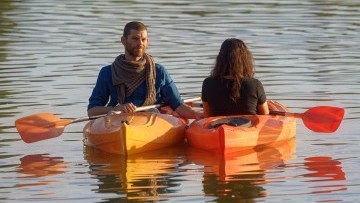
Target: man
[(134, 79)]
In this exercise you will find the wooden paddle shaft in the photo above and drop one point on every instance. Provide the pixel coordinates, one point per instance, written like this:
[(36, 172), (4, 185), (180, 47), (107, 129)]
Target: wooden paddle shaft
[(283, 113)]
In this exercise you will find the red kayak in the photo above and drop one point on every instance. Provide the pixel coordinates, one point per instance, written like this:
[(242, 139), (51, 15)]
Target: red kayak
[(226, 134)]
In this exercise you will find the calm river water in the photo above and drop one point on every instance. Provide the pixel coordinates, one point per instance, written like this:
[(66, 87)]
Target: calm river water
[(307, 54)]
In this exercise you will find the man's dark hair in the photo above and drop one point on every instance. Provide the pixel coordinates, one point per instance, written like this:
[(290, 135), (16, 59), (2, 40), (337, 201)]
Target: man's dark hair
[(134, 25)]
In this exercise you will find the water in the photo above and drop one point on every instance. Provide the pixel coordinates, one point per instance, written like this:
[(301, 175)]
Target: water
[(306, 54)]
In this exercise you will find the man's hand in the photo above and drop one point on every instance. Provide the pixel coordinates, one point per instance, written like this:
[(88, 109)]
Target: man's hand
[(125, 108)]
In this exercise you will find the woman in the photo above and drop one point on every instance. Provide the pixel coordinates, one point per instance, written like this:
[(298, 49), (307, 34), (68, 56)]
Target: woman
[(231, 87)]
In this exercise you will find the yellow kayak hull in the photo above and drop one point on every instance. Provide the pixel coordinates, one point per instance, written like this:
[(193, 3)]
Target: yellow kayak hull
[(132, 133)]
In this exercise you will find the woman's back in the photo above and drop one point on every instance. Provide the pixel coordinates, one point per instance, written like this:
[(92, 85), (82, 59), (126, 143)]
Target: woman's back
[(216, 92)]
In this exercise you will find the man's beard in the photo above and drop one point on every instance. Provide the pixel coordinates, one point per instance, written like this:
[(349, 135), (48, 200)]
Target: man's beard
[(136, 52)]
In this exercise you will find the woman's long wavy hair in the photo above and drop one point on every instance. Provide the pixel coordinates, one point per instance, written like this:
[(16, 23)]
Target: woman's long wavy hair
[(234, 61)]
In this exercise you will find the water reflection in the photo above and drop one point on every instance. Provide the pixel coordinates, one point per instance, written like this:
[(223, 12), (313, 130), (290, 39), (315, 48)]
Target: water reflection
[(239, 177), (146, 176), (33, 167), (6, 27), (326, 174)]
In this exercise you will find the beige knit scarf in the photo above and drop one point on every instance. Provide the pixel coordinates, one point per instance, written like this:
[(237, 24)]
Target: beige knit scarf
[(128, 75)]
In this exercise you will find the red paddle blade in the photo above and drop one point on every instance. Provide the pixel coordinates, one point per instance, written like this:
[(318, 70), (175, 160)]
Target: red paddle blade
[(40, 126), (324, 119)]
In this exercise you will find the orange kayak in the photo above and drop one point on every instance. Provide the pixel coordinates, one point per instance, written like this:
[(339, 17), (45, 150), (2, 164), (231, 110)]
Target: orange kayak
[(131, 133), (226, 134)]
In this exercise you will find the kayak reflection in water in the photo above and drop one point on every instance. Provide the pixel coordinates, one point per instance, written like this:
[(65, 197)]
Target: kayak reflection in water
[(145, 177), (240, 176)]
